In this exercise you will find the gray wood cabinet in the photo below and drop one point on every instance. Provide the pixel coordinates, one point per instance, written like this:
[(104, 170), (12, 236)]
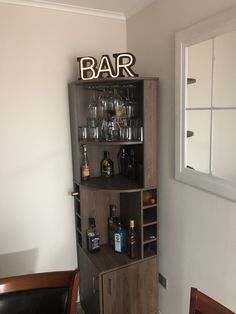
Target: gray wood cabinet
[(131, 289), (112, 283)]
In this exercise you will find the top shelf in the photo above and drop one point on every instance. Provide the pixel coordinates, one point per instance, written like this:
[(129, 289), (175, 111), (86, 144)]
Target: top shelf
[(119, 80), (114, 143)]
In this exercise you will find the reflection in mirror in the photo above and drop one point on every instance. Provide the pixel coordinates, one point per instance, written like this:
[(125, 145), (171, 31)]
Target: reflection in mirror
[(206, 104), (211, 106), (198, 145), (224, 144)]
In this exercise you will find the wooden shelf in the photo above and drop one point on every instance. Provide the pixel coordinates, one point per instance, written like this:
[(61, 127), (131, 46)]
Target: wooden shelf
[(107, 143), (149, 241), (145, 206), (106, 259), (117, 183), (147, 223)]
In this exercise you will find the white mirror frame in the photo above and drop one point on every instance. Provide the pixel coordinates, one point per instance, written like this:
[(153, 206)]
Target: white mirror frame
[(217, 25)]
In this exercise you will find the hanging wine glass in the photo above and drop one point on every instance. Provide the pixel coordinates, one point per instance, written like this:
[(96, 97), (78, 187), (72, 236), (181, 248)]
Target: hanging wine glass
[(129, 103)]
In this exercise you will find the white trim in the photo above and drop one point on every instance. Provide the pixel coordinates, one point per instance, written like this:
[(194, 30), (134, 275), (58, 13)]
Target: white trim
[(207, 29), (67, 8)]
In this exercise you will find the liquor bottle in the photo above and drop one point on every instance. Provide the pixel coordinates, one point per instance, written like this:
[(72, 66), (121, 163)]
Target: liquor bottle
[(132, 241), (131, 166), (120, 239), (93, 237), (112, 224), (84, 166), (122, 161), (106, 166)]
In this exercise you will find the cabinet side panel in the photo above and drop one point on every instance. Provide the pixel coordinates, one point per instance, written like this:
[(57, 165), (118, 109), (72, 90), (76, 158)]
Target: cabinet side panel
[(150, 132), (74, 132), (89, 285)]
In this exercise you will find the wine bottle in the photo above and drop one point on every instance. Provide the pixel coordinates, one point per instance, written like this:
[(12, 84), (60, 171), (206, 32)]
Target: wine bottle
[(132, 241), (112, 224), (106, 166), (131, 165), (93, 237), (122, 161), (120, 239), (84, 166)]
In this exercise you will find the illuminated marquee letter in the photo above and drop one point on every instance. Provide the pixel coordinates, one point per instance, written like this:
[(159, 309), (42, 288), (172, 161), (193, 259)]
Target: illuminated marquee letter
[(87, 67), (123, 62), (121, 65), (105, 66)]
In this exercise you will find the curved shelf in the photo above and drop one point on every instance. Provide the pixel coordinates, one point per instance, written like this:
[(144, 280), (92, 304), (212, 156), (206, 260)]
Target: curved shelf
[(117, 183), (107, 143)]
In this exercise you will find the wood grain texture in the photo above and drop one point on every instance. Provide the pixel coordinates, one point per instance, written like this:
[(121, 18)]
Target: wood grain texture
[(96, 203), (131, 290), (106, 259), (89, 285), (150, 133), (201, 303)]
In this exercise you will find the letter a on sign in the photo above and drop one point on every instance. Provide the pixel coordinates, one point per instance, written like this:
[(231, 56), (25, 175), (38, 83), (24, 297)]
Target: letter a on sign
[(88, 69)]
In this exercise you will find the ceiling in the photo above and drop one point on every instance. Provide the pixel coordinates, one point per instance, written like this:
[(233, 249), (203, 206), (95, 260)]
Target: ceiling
[(126, 8)]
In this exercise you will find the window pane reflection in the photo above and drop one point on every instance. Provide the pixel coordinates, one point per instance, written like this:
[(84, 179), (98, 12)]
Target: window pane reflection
[(225, 70), (224, 144), (198, 145), (199, 93)]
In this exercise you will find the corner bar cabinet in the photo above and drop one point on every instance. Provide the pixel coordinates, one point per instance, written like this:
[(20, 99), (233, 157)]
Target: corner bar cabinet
[(110, 282)]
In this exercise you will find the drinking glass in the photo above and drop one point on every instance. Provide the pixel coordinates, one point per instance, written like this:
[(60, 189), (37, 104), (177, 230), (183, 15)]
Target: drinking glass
[(82, 132)]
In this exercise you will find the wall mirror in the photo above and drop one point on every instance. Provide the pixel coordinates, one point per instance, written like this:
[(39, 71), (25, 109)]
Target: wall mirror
[(206, 105)]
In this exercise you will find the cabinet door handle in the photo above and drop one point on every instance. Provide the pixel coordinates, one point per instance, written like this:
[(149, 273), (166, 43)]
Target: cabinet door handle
[(74, 193), (94, 289), (110, 286)]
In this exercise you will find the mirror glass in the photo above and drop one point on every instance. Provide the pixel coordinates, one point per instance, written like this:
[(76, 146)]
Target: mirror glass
[(211, 106), (205, 94)]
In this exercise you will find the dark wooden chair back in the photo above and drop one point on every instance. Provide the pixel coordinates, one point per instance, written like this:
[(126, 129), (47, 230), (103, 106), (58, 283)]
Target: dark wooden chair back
[(202, 304), (42, 293)]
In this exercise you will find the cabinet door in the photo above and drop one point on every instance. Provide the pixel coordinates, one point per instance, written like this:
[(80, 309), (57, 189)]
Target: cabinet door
[(132, 289)]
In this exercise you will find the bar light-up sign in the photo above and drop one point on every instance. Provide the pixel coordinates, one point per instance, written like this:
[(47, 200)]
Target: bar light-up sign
[(90, 69)]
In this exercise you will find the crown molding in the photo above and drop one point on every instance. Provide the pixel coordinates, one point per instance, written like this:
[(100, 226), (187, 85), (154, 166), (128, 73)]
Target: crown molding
[(66, 8)]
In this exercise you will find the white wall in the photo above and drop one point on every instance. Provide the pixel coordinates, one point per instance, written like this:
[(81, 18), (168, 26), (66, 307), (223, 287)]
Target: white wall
[(197, 244), (37, 59)]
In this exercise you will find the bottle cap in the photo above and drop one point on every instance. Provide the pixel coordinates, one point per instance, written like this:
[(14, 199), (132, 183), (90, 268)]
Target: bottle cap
[(131, 223), (112, 209)]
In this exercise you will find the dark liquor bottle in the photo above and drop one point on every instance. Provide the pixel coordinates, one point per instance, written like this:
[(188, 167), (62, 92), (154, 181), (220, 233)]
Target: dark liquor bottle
[(120, 239), (131, 165), (93, 237), (132, 241), (112, 224), (106, 166), (84, 166), (122, 161)]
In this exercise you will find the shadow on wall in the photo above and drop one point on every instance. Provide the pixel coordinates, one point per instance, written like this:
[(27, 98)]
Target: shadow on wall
[(18, 263)]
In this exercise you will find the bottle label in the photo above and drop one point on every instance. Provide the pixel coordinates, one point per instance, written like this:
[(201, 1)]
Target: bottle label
[(106, 169), (95, 243), (85, 171), (117, 237)]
